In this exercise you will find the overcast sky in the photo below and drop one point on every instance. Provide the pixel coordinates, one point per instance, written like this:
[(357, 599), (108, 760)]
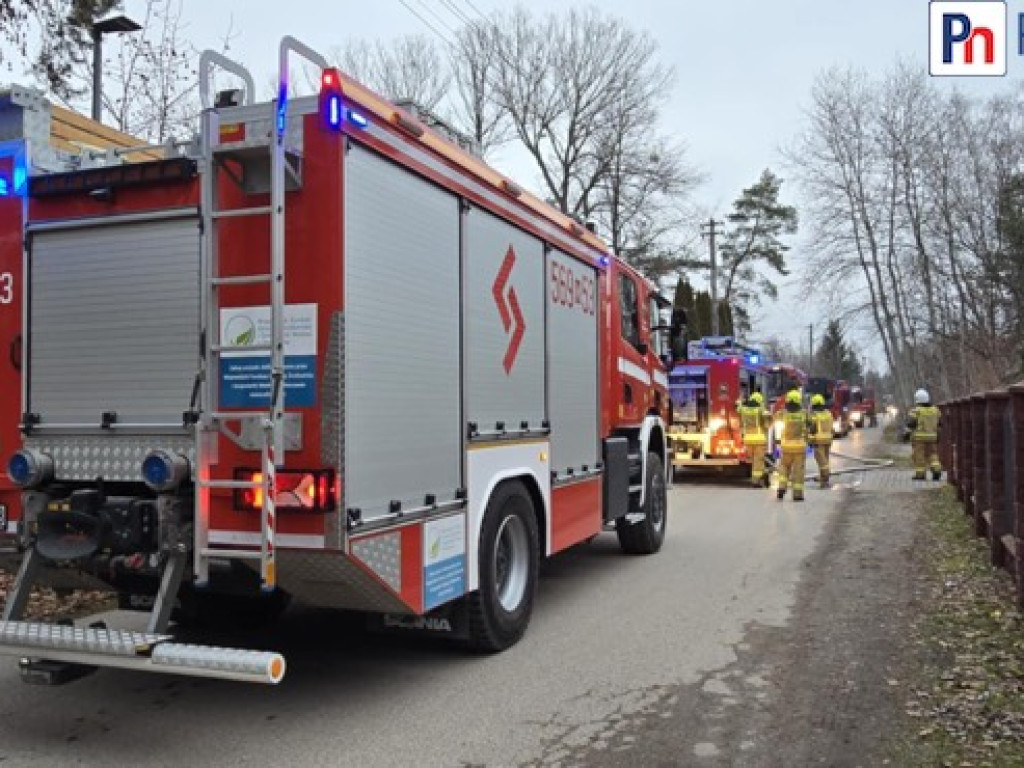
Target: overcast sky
[(744, 69)]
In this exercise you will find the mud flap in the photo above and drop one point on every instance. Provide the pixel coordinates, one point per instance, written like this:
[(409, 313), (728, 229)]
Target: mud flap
[(450, 621)]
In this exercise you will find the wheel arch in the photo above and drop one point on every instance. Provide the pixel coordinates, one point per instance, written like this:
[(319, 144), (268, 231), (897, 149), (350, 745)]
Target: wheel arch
[(539, 494), (652, 440)]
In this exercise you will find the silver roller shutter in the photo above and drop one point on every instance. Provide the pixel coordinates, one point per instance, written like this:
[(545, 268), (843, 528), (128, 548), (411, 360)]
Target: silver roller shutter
[(114, 321), (402, 436)]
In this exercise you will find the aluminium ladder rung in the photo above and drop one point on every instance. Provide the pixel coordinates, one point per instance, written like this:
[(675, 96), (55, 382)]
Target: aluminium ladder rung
[(238, 415), (234, 213), (242, 279), (236, 554)]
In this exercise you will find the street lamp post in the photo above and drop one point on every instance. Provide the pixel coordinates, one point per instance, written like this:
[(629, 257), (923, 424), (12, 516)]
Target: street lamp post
[(114, 24)]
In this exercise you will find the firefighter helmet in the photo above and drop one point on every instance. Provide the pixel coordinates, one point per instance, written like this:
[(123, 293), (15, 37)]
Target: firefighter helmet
[(793, 396), (758, 398), (818, 400), (921, 397)]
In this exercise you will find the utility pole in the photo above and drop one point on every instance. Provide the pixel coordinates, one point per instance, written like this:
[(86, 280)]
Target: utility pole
[(810, 356), (710, 231)]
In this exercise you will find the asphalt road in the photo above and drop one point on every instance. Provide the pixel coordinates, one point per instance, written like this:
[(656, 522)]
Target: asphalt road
[(612, 639)]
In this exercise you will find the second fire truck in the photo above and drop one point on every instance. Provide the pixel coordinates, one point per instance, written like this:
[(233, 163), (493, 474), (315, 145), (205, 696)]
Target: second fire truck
[(718, 375)]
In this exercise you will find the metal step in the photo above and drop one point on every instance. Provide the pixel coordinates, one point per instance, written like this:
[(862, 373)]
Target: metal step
[(63, 638), (234, 213), (242, 280), (136, 650)]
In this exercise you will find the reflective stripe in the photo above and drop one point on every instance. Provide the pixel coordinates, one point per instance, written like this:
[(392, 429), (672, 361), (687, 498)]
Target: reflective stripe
[(794, 430), (634, 371), (823, 422), (927, 429), (752, 421), (661, 379)]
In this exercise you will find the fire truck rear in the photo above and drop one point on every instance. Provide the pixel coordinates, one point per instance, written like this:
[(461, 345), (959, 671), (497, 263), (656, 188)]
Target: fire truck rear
[(331, 357), (705, 392)]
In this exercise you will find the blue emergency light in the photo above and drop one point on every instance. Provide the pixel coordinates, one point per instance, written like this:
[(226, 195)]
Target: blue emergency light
[(5, 187), (331, 109)]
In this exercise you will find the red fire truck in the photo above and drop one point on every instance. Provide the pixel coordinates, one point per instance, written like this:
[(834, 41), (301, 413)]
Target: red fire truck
[(863, 411), (332, 357), (837, 399), (34, 137), (719, 373)]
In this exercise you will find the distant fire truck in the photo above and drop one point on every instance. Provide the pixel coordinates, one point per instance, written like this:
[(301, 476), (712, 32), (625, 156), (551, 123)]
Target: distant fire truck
[(332, 357), (837, 400), (863, 411), (718, 375)]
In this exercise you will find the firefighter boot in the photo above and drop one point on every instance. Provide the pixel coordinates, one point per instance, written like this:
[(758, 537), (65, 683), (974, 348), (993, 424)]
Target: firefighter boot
[(780, 494), (936, 474), (824, 482)]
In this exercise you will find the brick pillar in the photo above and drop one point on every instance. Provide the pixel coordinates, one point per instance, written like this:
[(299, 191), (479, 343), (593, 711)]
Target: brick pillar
[(979, 484), (1015, 539), (965, 488), (996, 408)]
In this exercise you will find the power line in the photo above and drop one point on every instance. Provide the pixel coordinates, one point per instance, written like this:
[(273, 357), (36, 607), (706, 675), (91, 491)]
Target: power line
[(458, 12), (437, 17), (429, 26), (472, 5)]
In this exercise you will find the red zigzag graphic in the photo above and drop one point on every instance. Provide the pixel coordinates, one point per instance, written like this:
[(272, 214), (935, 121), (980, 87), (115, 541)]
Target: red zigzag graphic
[(510, 312)]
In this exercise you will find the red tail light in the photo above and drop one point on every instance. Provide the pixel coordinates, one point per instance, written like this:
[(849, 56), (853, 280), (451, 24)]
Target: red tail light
[(298, 490)]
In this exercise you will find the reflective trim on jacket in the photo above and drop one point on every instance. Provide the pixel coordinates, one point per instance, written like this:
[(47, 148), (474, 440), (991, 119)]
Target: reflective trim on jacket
[(926, 427), (821, 427), (753, 422), (794, 430)]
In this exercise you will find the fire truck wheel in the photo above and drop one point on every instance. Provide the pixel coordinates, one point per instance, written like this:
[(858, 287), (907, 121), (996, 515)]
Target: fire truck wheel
[(508, 560), (646, 536)]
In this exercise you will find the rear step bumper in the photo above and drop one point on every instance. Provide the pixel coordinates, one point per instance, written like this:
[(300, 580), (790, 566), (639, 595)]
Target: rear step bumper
[(139, 651)]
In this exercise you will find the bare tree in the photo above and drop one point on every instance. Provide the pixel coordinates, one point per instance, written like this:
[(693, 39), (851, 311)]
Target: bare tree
[(474, 63), (410, 69), (150, 85), (910, 195), (583, 93)]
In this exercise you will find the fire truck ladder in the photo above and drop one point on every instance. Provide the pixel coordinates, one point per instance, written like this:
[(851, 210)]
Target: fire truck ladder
[(212, 421)]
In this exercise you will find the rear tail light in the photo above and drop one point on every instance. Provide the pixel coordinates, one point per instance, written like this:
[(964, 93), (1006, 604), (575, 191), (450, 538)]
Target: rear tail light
[(298, 490)]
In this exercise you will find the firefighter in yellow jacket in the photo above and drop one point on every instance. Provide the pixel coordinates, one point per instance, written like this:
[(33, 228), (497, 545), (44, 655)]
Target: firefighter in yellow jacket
[(754, 422), (821, 437), (923, 420), (794, 446)]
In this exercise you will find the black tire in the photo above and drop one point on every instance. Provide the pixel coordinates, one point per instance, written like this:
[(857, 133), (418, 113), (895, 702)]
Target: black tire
[(508, 561), (646, 536)]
